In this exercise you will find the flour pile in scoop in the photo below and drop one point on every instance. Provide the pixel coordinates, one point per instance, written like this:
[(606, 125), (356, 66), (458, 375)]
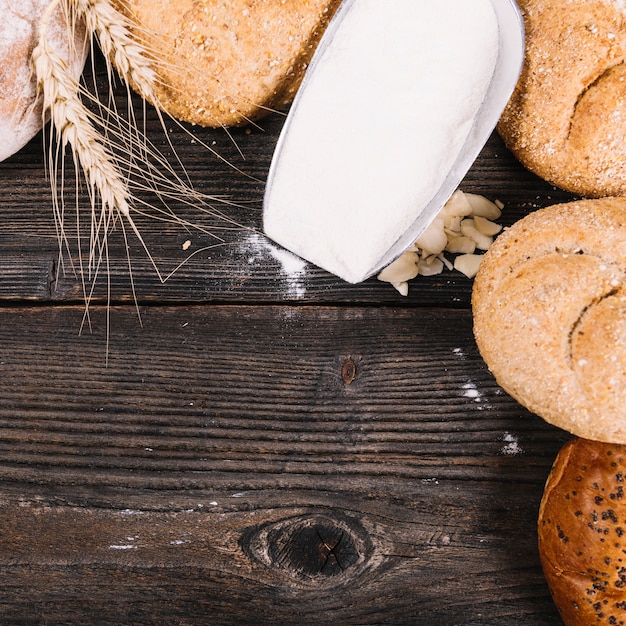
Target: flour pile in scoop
[(383, 114)]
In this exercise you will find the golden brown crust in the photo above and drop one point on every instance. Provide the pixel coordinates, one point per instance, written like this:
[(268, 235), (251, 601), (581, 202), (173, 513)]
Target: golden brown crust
[(566, 120), (549, 304), (20, 107), (226, 62), (582, 533)]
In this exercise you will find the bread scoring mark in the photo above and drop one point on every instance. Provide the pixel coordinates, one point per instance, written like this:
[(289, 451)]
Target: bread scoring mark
[(549, 311), (590, 86), (576, 327)]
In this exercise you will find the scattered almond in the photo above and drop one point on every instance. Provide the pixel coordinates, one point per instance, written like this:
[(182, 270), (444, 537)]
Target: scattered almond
[(468, 264), (464, 224)]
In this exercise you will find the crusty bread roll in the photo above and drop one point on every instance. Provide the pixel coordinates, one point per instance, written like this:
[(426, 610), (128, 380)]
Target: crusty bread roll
[(549, 304), (226, 62), (582, 533), (20, 109), (566, 120)]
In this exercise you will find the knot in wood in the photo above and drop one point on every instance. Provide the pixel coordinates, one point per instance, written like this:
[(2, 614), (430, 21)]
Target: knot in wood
[(314, 549), (348, 371)]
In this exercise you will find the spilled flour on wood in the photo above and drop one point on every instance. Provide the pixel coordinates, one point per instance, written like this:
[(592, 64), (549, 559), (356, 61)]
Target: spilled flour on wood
[(459, 352), (470, 390), (292, 268), (511, 445)]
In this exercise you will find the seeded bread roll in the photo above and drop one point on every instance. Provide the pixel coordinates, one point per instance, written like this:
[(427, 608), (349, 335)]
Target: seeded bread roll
[(566, 120), (226, 62), (549, 304), (582, 533), (20, 109)]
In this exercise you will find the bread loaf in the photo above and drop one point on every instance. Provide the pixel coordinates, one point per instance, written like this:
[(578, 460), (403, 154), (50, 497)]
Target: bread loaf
[(582, 533), (549, 304), (226, 62), (566, 120), (20, 108)]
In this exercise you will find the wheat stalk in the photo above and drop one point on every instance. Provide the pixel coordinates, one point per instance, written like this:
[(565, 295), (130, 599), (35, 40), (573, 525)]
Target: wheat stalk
[(75, 126), (118, 45), (72, 123), (114, 156)]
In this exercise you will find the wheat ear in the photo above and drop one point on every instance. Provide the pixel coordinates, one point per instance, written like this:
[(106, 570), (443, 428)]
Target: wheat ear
[(108, 148), (71, 121), (135, 66), (118, 45)]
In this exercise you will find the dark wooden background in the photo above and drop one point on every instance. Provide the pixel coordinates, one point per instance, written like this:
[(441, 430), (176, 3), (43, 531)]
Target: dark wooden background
[(257, 443)]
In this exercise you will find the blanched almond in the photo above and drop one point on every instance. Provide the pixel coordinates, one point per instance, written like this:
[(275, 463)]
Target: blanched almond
[(402, 269), (483, 207), (430, 266), (433, 240), (486, 227), (461, 245), (458, 204), (453, 225), (468, 228), (468, 264)]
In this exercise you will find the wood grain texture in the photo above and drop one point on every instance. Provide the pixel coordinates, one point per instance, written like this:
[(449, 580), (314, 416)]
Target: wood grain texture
[(264, 444), (245, 267), (222, 466)]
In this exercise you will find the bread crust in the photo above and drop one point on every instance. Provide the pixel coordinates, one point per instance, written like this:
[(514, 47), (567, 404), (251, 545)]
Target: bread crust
[(227, 62), (566, 120), (549, 305), (582, 533), (20, 107)]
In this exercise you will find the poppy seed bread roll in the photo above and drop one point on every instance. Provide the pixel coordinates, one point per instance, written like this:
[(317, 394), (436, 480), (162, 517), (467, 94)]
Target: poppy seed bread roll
[(226, 62), (566, 119), (549, 305), (582, 533)]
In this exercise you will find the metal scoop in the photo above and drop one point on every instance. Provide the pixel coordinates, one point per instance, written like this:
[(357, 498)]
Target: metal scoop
[(297, 236)]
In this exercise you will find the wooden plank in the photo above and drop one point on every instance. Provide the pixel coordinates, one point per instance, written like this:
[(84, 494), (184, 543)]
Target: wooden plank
[(247, 268), (271, 464), (26, 279)]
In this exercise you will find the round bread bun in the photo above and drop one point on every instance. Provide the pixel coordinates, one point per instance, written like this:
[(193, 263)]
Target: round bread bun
[(566, 120), (549, 305), (20, 107), (227, 62), (582, 533)]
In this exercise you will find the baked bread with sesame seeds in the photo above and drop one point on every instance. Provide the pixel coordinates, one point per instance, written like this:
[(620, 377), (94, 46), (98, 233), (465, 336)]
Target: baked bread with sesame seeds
[(566, 120), (227, 62), (582, 533), (549, 306)]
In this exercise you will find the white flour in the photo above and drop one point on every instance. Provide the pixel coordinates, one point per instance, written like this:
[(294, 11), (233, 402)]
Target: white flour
[(20, 109), (292, 267), (385, 114), (511, 445)]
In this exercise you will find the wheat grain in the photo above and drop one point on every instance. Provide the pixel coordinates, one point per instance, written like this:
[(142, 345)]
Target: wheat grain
[(112, 29), (75, 126), (71, 121), (118, 162)]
